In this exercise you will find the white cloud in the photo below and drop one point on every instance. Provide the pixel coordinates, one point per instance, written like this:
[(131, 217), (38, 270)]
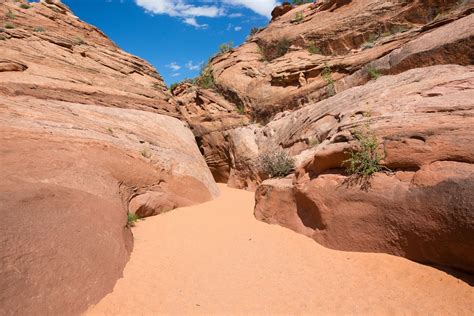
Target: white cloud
[(191, 66), (176, 74), (238, 28), (262, 7), (193, 22), (174, 66), (188, 10)]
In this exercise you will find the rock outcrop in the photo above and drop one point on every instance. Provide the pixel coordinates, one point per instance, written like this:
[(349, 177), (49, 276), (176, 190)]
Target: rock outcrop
[(83, 142), (48, 53), (293, 61), (421, 207), (320, 75)]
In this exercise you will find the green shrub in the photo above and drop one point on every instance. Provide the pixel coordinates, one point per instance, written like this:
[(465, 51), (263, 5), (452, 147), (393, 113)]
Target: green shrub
[(366, 160), (326, 73), (226, 47), (205, 79), (9, 26), (38, 29), (276, 163), (282, 47), (24, 6), (132, 219), (313, 49), (2, 37), (373, 72)]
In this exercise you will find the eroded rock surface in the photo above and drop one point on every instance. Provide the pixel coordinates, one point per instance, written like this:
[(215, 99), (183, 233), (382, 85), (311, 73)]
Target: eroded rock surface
[(282, 67), (422, 208), (82, 144)]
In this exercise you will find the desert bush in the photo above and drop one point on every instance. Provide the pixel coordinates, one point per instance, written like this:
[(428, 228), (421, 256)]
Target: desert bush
[(313, 49), (326, 73), (225, 47), (205, 79), (38, 29), (373, 72), (366, 160), (132, 219), (9, 26), (276, 163), (24, 6)]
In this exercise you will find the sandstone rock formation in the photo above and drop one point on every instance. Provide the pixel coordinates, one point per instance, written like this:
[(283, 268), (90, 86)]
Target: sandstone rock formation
[(320, 74), (422, 209), (82, 145), (47, 53), (282, 67)]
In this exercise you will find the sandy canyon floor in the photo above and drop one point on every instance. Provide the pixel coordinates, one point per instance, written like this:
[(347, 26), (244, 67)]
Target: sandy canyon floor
[(215, 258)]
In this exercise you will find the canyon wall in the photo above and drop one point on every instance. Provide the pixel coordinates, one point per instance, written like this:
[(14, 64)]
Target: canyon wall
[(87, 135)]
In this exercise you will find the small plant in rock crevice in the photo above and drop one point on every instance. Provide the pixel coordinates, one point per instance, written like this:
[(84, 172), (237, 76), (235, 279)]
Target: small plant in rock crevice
[(9, 26), (365, 161), (313, 49), (275, 163), (326, 73), (38, 29), (373, 73), (226, 47), (25, 6), (132, 219)]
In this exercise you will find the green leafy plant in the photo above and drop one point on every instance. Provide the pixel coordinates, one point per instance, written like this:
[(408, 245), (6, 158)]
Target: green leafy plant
[(38, 29), (366, 160), (25, 6), (282, 47), (373, 73), (132, 219), (275, 163), (313, 49), (205, 79), (226, 47), (326, 73), (9, 26)]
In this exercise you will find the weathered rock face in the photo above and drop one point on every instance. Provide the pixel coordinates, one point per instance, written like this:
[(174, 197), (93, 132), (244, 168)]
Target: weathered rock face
[(423, 210), (81, 144), (290, 63), (47, 53), (210, 116)]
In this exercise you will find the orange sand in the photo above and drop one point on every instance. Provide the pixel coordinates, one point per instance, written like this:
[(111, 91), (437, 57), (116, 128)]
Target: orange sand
[(215, 258)]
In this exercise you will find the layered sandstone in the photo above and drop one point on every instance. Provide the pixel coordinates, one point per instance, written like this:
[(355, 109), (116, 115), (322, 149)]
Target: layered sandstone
[(83, 143), (420, 208)]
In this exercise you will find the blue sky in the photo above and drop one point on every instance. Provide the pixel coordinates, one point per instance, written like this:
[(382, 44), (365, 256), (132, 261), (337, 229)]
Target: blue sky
[(176, 36)]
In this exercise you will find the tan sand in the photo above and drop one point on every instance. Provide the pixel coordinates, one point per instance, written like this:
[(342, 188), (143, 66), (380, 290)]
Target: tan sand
[(215, 258)]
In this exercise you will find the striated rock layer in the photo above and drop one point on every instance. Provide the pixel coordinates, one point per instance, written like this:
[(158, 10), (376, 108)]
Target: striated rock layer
[(421, 208), (81, 145)]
